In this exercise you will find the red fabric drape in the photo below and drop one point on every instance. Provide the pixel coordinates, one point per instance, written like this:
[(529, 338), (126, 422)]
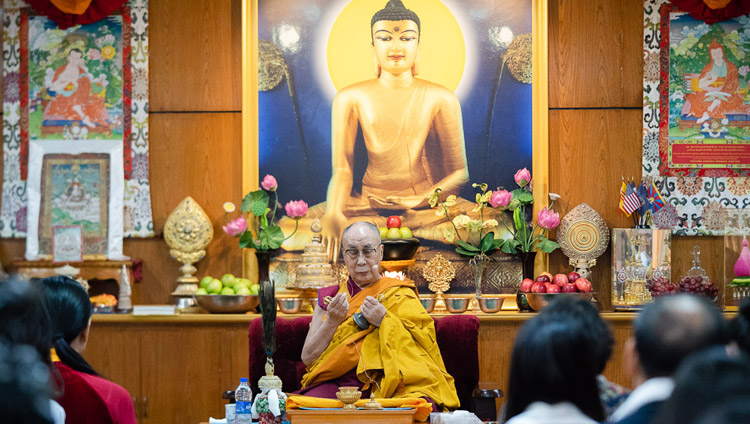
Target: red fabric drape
[(97, 10), (700, 10)]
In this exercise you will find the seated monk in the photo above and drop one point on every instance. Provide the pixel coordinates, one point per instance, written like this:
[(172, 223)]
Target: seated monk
[(396, 355), (413, 134)]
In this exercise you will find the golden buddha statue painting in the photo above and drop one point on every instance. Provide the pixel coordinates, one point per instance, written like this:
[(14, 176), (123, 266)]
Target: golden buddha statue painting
[(393, 137)]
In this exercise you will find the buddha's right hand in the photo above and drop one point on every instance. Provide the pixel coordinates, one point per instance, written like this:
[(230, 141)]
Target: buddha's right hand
[(333, 224)]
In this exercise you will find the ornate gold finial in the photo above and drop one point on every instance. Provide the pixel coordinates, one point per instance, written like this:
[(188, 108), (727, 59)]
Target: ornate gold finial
[(188, 231), (439, 272), (372, 404)]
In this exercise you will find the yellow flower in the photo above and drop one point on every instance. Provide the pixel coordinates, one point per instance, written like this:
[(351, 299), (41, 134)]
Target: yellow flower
[(490, 223), (449, 236), (450, 201), (461, 221), (108, 52), (229, 207), (474, 225)]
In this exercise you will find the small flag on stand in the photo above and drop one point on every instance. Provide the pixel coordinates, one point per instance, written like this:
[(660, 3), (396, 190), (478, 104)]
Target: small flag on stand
[(631, 202), (654, 197), (643, 196), (623, 188)]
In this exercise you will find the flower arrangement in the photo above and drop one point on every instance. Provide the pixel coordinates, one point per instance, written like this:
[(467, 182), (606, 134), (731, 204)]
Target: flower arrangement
[(475, 237), (264, 234)]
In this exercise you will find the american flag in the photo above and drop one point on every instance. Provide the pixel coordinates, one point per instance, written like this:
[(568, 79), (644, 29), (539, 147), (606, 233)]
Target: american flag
[(631, 202)]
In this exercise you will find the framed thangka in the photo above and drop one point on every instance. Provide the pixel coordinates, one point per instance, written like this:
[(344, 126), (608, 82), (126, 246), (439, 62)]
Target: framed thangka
[(67, 243), (84, 83), (75, 185), (468, 112), (696, 117)]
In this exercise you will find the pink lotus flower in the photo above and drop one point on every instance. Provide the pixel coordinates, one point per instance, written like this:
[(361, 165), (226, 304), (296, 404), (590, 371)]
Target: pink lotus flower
[(500, 198), (296, 208), (269, 183), (522, 177), (548, 219), (235, 227)]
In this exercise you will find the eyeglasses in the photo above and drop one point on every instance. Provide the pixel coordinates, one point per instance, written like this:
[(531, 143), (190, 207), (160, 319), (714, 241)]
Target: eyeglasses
[(367, 252)]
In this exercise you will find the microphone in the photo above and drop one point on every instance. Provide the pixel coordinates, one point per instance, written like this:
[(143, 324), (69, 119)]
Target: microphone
[(376, 267)]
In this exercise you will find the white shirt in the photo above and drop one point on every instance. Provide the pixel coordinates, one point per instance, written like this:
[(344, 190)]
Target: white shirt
[(652, 390), (544, 413), (57, 412)]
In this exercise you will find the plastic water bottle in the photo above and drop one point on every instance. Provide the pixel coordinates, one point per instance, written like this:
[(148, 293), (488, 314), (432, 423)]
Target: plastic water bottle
[(243, 397)]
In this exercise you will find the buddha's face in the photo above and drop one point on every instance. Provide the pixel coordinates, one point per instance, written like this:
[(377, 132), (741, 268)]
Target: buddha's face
[(396, 45), (717, 55)]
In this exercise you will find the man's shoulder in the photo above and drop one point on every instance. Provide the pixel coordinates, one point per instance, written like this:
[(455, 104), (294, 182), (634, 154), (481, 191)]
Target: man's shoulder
[(644, 414)]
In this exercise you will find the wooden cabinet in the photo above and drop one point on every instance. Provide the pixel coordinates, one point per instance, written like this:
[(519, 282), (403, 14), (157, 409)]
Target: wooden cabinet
[(176, 368)]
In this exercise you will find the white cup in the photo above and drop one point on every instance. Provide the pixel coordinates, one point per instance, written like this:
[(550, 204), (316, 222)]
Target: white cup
[(229, 412)]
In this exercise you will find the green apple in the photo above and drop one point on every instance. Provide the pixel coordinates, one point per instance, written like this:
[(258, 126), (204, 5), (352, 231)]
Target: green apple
[(383, 232), (244, 291), (227, 290), (254, 288), (393, 233), (207, 279), (228, 280), (201, 291), (214, 287), (405, 232)]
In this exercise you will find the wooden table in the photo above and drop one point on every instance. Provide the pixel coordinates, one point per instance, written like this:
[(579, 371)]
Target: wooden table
[(343, 416)]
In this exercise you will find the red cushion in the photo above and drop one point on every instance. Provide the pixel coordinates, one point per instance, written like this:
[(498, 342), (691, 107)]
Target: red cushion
[(457, 337)]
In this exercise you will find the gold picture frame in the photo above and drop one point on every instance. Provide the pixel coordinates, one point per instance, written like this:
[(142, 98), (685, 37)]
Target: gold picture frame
[(540, 111)]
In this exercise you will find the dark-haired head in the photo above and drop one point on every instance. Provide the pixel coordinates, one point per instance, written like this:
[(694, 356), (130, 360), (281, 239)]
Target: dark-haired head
[(586, 314), (704, 380), (740, 327), (24, 386), (24, 317), (554, 361), (395, 10), (672, 328), (69, 309)]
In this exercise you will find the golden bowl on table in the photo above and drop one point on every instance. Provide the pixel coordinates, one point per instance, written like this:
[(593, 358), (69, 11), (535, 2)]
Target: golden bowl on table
[(289, 305), (428, 302), (537, 301), (227, 303), (457, 304), (349, 395), (489, 304)]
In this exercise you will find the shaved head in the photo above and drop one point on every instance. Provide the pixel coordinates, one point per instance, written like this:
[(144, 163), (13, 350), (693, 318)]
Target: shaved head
[(360, 226)]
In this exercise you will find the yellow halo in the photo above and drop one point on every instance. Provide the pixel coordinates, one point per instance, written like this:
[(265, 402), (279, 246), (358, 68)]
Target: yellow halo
[(442, 53)]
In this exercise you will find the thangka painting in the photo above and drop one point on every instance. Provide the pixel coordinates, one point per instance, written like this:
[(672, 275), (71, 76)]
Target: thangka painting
[(75, 192), (467, 118), (696, 117), (87, 82)]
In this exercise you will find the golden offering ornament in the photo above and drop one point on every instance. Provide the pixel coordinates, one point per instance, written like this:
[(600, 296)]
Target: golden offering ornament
[(188, 231), (439, 272), (583, 236)]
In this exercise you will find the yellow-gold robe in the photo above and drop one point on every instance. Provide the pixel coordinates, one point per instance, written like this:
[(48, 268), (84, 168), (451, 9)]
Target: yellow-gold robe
[(402, 355)]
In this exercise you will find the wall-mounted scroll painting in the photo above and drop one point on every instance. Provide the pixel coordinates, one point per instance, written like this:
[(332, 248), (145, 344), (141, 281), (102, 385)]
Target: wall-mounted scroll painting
[(380, 148), (696, 116), (88, 82)]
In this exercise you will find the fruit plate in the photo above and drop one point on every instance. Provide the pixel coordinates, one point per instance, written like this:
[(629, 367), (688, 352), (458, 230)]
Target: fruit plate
[(400, 249), (537, 301), (227, 303)]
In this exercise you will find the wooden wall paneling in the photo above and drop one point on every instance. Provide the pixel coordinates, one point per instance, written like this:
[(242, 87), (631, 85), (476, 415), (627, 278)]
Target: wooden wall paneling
[(195, 55), (590, 150), (196, 155), (115, 353), (187, 357), (235, 345), (595, 55)]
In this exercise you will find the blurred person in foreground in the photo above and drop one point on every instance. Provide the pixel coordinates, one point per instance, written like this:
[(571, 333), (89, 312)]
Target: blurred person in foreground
[(708, 388), (739, 328), (665, 333), (86, 397), (24, 331), (600, 336), (395, 355), (553, 371)]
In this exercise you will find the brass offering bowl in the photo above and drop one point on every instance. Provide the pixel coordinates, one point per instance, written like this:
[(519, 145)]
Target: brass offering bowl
[(457, 305), (349, 395), (428, 302), (537, 301), (491, 304), (400, 249), (289, 305), (227, 303)]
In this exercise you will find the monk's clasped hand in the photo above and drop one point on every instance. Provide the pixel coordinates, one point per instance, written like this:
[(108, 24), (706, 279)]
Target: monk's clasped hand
[(373, 310), (338, 308)]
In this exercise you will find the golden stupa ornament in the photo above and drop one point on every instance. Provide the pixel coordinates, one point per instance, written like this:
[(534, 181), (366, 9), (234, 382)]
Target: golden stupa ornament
[(439, 272), (187, 232)]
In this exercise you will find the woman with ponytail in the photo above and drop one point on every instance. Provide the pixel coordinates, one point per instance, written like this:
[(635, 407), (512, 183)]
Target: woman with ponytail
[(87, 397)]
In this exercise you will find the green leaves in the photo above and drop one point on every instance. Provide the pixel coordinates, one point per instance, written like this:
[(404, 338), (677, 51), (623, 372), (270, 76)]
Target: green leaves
[(271, 237), (546, 245), (523, 196), (510, 246), (255, 202), (247, 240), (487, 245)]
